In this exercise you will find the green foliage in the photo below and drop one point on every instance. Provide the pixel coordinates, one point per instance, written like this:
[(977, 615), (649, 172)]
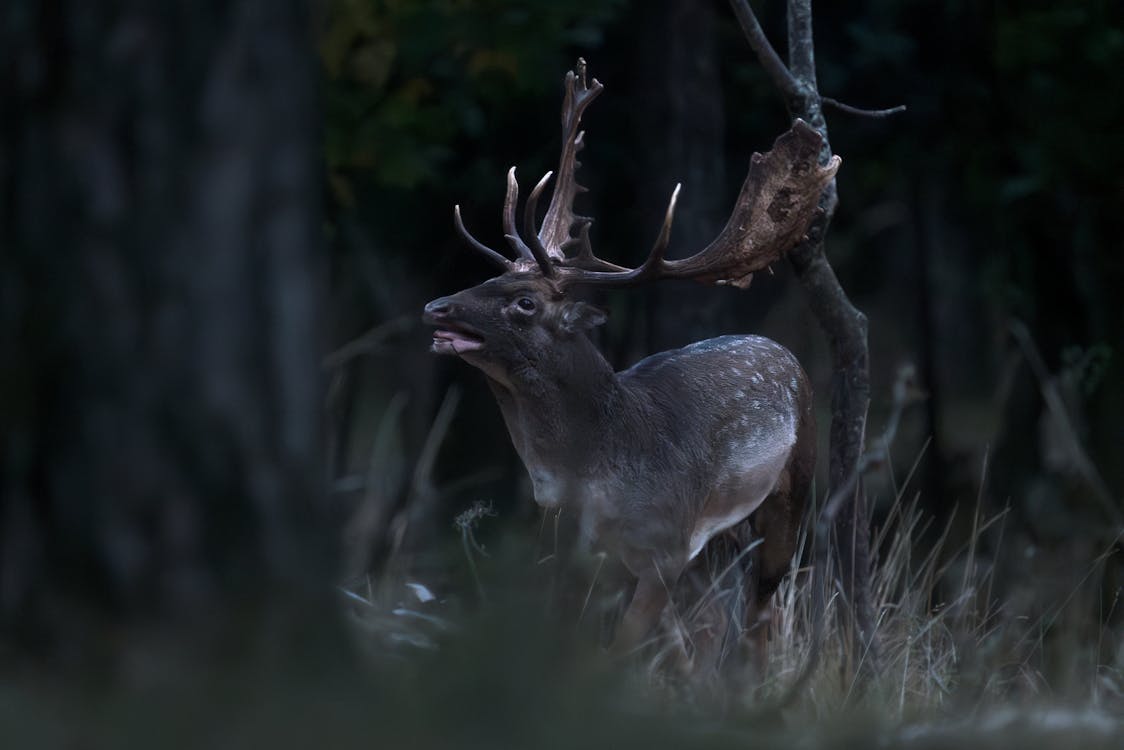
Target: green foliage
[(1055, 175), (1062, 132), (407, 80)]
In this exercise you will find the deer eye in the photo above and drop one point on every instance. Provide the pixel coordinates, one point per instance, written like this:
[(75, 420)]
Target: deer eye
[(526, 304)]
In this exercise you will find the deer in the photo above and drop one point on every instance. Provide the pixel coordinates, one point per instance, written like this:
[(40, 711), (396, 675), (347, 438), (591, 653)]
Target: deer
[(658, 459)]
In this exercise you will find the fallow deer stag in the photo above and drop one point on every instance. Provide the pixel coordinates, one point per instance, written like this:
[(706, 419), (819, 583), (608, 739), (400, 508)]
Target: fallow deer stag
[(658, 459)]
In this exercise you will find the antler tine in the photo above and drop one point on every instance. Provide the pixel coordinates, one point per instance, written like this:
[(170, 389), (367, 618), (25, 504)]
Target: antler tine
[(560, 219), (596, 271), (585, 258), (476, 244), (510, 233), (542, 257), (659, 249)]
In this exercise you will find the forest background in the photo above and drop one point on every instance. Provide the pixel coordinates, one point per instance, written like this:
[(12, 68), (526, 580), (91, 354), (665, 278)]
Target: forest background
[(220, 226)]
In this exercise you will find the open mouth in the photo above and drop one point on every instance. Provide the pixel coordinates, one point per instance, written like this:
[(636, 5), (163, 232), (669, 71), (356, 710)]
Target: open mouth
[(447, 341)]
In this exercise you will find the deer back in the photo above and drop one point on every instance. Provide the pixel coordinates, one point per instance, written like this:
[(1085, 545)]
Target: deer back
[(722, 419)]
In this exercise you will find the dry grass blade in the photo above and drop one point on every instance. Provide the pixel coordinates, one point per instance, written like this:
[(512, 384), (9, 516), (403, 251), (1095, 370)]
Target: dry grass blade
[(367, 526)]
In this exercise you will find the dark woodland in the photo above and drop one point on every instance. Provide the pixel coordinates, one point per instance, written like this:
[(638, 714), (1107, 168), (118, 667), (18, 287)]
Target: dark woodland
[(242, 502)]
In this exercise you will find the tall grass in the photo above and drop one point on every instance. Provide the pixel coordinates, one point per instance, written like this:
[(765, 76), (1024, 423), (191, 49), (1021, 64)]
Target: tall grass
[(966, 646)]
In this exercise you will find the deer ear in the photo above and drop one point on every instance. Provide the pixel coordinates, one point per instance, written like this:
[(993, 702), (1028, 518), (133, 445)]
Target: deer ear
[(581, 316)]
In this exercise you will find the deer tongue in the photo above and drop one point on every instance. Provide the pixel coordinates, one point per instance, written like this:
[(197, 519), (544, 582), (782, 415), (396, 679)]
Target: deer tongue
[(454, 342)]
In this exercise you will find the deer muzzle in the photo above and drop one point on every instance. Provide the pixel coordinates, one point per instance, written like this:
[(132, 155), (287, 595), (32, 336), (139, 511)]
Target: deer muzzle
[(451, 336)]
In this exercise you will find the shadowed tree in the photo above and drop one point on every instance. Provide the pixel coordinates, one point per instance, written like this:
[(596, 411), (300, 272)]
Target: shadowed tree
[(160, 295)]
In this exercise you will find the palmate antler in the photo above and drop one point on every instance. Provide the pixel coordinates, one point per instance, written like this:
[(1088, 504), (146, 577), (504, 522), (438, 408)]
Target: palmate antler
[(777, 203)]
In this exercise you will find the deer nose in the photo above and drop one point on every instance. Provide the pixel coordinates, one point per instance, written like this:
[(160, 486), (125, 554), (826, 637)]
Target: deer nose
[(440, 308)]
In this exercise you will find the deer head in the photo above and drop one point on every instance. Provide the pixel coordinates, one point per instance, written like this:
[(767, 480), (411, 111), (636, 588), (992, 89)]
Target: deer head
[(515, 327), (509, 320)]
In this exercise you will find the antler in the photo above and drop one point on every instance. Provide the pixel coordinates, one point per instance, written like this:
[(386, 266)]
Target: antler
[(777, 203), (560, 218), (527, 255), (548, 245)]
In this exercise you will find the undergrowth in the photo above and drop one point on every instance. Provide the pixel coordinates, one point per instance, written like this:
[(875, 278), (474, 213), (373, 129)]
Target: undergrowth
[(970, 646)]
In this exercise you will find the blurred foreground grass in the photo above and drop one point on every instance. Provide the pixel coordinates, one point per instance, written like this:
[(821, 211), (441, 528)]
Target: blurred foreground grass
[(493, 659)]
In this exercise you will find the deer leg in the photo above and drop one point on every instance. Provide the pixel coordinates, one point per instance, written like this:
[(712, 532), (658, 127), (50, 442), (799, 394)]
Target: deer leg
[(777, 523), (760, 647), (648, 601), (756, 627)]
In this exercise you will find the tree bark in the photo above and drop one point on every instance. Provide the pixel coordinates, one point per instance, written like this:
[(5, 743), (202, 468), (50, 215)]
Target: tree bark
[(844, 325), (159, 316), (846, 330)]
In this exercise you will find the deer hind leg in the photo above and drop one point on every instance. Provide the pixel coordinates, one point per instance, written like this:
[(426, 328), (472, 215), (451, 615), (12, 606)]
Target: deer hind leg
[(777, 522)]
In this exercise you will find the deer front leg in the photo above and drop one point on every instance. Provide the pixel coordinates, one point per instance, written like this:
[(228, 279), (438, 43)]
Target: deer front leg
[(648, 601)]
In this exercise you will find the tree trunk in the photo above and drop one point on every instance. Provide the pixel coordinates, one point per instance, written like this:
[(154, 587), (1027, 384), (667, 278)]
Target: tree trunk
[(160, 294), (844, 326), (846, 331), (679, 69)]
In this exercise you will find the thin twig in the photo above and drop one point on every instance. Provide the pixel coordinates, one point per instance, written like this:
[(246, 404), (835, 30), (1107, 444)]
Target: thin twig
[(859, 111), (776, 69)]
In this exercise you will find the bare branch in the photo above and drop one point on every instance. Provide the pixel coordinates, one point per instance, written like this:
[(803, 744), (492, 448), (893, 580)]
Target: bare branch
[(801, 45), (858, 111), (782, 77)]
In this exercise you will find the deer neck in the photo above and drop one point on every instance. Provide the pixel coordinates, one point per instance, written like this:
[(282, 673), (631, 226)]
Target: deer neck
[(557, 412)]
